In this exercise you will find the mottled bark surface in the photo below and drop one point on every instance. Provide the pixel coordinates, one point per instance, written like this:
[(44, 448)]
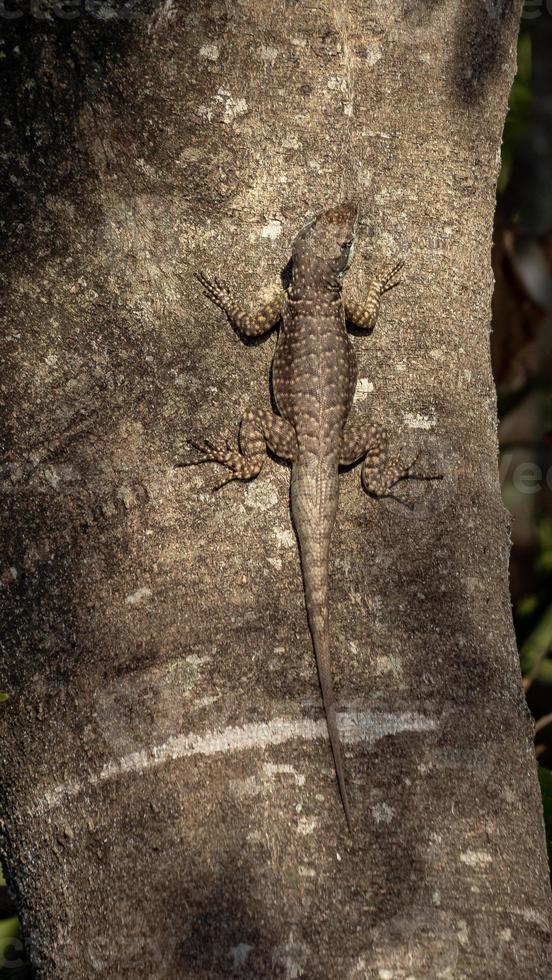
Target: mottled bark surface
[(168, 794)]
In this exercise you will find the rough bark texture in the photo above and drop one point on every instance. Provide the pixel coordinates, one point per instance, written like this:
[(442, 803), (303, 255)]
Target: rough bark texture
[(169, 802)]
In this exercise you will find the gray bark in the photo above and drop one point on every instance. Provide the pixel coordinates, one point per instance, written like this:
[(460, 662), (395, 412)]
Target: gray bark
[(168, 795)]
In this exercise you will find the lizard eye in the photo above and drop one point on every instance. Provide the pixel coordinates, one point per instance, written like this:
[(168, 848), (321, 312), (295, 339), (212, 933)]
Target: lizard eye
[(347, 244)]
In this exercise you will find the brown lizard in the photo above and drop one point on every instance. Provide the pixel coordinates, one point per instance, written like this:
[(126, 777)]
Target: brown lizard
[(314, 375)]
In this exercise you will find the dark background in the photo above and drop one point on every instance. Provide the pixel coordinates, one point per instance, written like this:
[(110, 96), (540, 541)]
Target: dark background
[(521, 346)]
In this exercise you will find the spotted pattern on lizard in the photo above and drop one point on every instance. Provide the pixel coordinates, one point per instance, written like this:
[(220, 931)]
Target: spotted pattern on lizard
[(314, 378)]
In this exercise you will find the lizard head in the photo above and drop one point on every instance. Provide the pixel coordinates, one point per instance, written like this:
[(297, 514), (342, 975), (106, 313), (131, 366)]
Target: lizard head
[(325, 247)]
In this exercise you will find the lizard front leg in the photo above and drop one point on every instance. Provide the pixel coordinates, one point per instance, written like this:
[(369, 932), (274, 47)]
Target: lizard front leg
[(380, 473), (259, 428), (365, 315), (249, 324)]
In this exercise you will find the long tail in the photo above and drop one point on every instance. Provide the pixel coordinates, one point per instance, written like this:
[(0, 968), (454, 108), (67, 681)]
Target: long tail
[(322, 652), (314, 490)]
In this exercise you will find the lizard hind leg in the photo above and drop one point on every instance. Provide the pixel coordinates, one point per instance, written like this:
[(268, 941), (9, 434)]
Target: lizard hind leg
[(240, 467), (261, 428), (380, 473), (258, 429)]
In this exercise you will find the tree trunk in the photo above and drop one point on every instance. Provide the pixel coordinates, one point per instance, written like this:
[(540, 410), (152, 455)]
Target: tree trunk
[(169, 802)]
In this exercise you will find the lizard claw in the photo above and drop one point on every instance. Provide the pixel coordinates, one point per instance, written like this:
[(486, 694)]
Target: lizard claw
[(388, 280), (219, 486), (408, 473), (187, 462), (217, 292), (399, 500), (207, 446), (411, 475), (208, 453)]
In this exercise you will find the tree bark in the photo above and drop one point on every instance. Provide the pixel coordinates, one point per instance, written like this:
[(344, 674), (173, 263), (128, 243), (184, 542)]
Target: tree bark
[(168, 795)]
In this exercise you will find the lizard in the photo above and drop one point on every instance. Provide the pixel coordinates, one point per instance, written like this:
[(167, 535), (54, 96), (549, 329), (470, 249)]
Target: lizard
[(314, 374)]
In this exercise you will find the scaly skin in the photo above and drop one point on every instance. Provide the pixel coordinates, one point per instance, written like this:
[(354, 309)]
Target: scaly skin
[(314, 376)]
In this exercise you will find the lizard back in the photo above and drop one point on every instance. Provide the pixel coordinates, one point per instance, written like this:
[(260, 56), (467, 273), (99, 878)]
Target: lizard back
[(314, 370), (314, 377)]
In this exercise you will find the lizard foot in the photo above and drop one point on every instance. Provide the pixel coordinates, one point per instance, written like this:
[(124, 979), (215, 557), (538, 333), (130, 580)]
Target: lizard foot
[(410, 474), (387, 280), (241, 467), (379, 481), (217, 292)]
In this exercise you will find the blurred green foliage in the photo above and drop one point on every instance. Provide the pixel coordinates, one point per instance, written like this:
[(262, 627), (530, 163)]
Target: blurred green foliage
[(518, 110), (534, 612), (12, 966)]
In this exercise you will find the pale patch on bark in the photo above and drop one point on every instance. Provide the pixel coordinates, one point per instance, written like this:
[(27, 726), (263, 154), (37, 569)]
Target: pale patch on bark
[(355, 726)]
